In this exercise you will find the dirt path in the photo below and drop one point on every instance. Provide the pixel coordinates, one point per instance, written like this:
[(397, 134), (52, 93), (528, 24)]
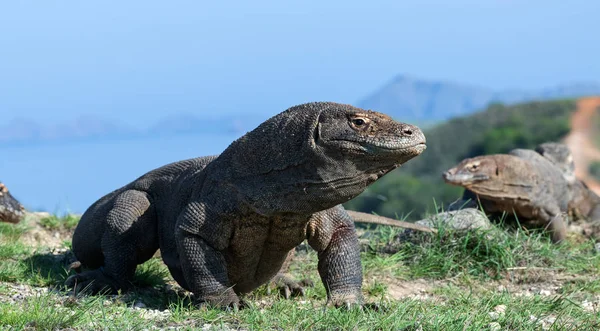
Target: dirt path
[(580, 140)]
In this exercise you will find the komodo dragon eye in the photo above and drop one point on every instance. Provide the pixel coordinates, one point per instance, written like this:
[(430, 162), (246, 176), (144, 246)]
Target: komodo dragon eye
[(359, 123), (474, 166)]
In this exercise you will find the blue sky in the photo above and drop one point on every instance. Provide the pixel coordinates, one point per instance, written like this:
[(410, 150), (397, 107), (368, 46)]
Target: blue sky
[(136, 61)]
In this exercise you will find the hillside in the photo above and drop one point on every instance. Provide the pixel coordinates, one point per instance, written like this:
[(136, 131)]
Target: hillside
[(428, 101), (417, 187)]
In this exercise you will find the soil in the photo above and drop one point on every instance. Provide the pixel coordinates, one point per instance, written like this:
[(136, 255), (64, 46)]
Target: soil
[(581, 140)]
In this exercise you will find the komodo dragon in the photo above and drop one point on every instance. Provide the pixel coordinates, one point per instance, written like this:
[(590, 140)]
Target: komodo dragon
[(11, 210), (225, 224), (531, 187)]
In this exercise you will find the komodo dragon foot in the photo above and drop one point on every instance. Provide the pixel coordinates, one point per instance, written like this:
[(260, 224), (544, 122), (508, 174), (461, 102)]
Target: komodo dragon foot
[(93, 282), (288, 287)]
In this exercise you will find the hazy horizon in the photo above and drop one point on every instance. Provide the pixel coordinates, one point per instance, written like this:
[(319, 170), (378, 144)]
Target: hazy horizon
[(137, 61)]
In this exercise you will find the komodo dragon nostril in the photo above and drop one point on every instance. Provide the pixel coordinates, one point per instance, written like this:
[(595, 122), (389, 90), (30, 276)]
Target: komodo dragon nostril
[(407, 131)]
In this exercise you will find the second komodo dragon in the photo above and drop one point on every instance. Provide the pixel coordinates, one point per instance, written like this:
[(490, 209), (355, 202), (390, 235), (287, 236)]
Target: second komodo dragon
[(529, 185), (225, 224)]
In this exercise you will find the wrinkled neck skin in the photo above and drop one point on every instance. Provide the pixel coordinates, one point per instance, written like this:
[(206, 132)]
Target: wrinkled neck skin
[(278, 169)]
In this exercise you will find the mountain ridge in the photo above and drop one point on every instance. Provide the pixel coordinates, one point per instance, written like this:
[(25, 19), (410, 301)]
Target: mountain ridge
[(407, 98), (421, 100)]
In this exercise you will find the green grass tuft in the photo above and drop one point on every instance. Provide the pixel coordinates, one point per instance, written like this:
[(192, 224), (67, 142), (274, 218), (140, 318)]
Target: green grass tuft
[(54, 222)]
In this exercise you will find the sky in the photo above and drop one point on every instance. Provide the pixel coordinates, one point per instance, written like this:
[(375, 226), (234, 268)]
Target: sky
[(136, 61)]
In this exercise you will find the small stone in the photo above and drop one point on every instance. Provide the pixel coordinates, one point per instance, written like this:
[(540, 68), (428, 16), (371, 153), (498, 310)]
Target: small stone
[(495, 326), (139, 304), (499, 311), (587, 305), (545, 293)]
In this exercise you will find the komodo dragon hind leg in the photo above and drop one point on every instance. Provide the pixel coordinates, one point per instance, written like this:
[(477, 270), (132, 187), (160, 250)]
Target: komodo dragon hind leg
[(130, 238)]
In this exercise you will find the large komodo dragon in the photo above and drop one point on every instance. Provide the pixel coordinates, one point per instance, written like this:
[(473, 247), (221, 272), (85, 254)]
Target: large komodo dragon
[(11, 210), (523, 182), (224, 224)]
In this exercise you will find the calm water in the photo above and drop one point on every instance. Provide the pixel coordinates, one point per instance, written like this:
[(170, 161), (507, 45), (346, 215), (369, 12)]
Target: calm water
[(70, 177)]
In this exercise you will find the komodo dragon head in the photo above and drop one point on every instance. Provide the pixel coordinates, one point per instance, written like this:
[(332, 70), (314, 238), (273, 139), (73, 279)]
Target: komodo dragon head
[(11, 210), (497, 176), (324, 152), (367, 136)]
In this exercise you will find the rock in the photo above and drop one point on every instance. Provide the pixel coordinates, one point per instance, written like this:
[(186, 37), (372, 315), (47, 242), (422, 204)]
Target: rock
[(459, 220), (463, 219), (495, 326), (498, 312)]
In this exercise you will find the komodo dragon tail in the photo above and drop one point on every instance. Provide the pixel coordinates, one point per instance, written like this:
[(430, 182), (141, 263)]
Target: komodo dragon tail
[(359, 217)]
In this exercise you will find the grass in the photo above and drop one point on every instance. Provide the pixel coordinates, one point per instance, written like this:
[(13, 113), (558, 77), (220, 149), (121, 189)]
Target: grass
[(65, 222), (469, 275)]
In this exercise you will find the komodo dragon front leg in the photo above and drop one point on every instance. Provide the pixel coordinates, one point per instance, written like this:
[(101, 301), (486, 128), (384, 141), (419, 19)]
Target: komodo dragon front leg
[(201, 237), (289, 287), (331, 233), (114, 241)]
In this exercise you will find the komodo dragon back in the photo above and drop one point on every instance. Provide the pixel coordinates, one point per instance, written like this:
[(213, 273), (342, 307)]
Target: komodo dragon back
[(561, 156), (11, 210), (584, 204)]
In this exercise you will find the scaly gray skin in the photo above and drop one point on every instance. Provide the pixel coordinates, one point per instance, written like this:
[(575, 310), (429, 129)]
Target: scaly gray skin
[(225, 224), (11, 211), (524, 182)]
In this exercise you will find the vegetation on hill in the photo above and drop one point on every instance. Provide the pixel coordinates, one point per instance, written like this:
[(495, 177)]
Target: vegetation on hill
[(417, 188)]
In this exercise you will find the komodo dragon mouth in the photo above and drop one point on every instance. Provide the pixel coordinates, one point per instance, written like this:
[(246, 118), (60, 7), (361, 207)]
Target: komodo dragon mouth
[(463, 179)]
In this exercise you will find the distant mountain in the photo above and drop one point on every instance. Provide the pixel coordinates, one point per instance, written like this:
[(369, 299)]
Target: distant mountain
[(425, 101), (407, 98)]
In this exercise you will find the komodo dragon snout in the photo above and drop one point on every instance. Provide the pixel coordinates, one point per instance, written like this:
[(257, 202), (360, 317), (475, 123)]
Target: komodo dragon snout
[(471, 171)]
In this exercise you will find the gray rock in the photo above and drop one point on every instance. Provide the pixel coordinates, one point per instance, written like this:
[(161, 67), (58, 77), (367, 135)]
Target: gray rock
[(463, 219)]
